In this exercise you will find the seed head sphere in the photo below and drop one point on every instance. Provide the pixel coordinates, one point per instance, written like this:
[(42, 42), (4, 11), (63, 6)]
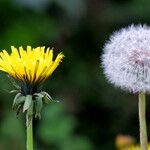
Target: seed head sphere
[(126, 59)]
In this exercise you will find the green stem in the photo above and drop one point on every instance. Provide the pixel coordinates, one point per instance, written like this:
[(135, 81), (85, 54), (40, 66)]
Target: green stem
[(29, 134), (142, 121)]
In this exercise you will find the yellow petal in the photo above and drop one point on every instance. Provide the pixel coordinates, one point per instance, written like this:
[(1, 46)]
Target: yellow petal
[(32, 65)]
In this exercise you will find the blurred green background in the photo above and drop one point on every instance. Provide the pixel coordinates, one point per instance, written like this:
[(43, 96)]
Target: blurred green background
[(91, 112)]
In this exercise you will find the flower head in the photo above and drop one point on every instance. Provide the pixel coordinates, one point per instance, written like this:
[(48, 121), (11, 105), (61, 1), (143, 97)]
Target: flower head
[(126, 58), (30, 67)]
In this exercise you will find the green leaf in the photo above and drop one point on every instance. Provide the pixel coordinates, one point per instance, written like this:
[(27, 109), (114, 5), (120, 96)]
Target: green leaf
[(28, 102)]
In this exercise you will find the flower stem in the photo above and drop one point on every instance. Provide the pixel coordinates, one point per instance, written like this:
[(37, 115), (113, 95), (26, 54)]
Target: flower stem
[(142, 121), (29, 135)]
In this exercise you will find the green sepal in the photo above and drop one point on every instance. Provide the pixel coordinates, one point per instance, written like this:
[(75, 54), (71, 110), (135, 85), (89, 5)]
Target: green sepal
[(28, 102), (28, 120), (30, 110), (38, 95), (18, 109), (38, 115), (16, 97), (31, 104), (38, 107), (47, 98), (14, 91), (29, 114), (18, 101), (46, 94)]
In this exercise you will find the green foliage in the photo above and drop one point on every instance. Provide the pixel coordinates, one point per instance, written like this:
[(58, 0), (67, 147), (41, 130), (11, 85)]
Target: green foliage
[(12, 133), (57, 129)]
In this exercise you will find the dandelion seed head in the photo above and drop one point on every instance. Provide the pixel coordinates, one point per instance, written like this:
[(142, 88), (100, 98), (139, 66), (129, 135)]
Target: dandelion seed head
[(126, 58)]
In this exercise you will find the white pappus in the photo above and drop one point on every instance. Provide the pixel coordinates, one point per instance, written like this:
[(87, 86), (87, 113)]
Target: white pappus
[(126, 58)]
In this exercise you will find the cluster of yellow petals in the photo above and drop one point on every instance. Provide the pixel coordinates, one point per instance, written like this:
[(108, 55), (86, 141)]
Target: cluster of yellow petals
[(31, 66), (127, 142)]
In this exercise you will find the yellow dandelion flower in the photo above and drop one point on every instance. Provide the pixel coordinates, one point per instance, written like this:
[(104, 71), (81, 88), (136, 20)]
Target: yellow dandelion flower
[(124, 141), (127, 142), (31, 66)]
